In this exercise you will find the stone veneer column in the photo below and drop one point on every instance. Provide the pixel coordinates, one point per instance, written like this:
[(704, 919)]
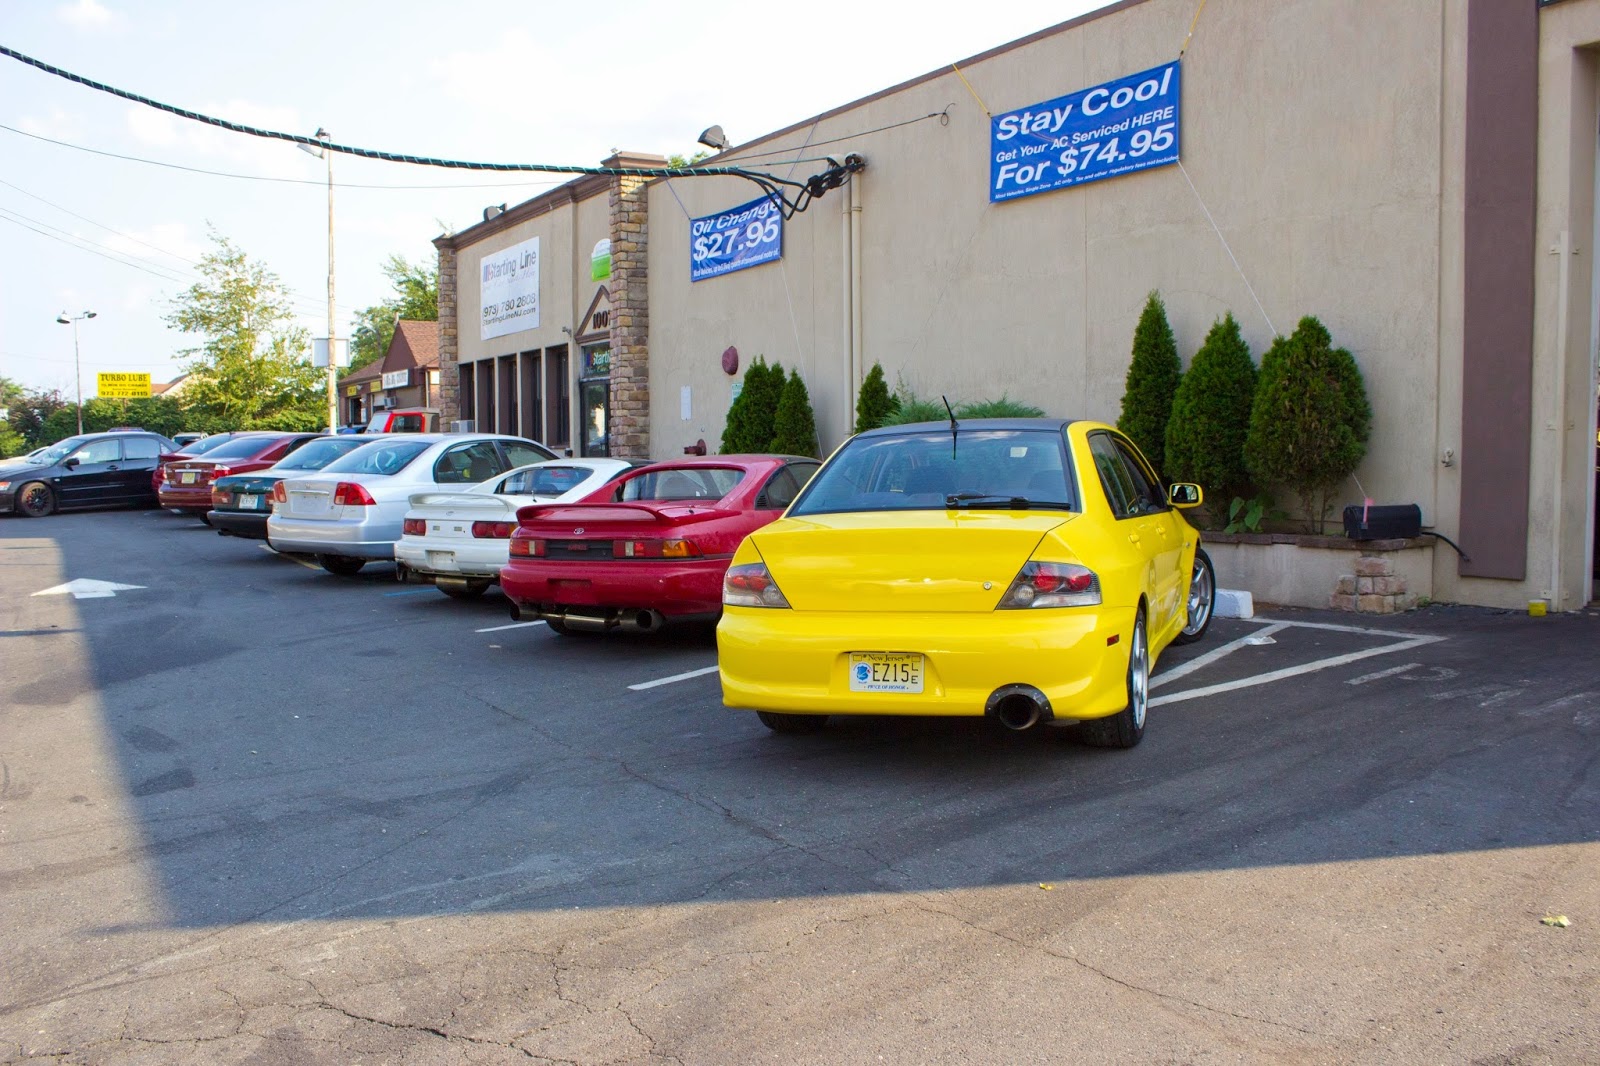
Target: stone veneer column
[(630, 314), (449, 401)]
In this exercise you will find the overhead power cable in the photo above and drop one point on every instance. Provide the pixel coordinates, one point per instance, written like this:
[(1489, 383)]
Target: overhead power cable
[(792, 203), (318, 182)]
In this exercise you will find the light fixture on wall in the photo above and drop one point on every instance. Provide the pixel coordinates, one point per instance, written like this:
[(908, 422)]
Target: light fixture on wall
[(493, 211), (713, 137)]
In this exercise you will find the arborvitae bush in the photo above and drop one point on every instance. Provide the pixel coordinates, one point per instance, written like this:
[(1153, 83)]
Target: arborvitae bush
[(874, 403), (1310, 420), (1211, 417), (1152, 381), (794, 426), (749, 425)]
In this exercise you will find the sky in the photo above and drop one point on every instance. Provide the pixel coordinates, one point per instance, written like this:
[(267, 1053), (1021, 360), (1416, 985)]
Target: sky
[(472, 79)]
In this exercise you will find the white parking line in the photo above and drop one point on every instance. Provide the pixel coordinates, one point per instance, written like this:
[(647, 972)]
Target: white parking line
[(1293, 671), (1216, 653), (513, 625), (1381, 674), (658, 682)]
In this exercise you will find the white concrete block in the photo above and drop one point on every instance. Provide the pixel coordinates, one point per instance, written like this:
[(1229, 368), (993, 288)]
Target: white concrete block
[(1234, 603)]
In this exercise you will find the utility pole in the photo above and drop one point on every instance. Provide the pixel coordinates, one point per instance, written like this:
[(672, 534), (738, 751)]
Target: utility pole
[(77, 362), (333, 370)]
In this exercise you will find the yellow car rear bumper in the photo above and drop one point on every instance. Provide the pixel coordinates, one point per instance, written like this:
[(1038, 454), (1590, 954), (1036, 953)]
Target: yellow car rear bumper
[(798, 662)]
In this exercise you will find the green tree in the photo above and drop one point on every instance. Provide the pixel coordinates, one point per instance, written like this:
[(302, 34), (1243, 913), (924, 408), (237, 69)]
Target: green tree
[(159, 414), (750, 418), (1211, 417), (1310, 421), (873, 402), (415, 297), (679, 161), (794, 425), (250, 368), (28, 411), (1152, 382)]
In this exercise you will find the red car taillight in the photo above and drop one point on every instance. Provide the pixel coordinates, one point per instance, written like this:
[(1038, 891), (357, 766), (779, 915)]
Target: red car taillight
[(654, 549), (493, 530), (219, 496), (527, 547), (279, 493), (352, 494), (750, 585), (1051, 585), (414, 527), (218, 471)]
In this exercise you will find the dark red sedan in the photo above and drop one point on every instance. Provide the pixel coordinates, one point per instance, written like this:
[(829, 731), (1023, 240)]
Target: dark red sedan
[(188, 451), (648, 548), (185, 484)]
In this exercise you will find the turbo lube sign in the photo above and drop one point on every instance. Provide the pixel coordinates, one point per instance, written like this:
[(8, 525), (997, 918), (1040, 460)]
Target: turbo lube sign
[(1114, 128), (740, 237)]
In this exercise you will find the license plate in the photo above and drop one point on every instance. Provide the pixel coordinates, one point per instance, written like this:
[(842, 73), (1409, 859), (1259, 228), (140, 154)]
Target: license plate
[(441, 558), (249, 502), (885, 671), (186, 478)]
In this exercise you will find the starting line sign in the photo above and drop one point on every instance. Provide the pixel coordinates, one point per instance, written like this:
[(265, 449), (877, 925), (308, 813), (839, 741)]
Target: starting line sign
[(123, 386)]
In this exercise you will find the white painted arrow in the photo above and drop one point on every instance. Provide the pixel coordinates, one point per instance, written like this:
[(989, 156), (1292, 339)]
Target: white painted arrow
[(87, 588)]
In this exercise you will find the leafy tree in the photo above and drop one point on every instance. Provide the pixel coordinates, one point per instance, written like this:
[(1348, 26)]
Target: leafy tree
[(873, 402), (27, 412), (1211, 416), (159, 414), (1310, 421), (251, 365), (415, 297), (679, 161), (794, 425), (750, 419), (1152, 381)]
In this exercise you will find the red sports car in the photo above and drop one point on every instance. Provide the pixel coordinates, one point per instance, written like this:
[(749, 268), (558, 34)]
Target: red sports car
[(185, 484), (648, 548)]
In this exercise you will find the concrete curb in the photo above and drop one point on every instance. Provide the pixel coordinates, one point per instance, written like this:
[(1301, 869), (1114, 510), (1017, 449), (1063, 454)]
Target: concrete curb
[(1233, 603)]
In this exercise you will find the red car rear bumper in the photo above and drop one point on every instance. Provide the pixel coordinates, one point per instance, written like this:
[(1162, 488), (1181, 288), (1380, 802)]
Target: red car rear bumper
[(676, 588), (193, 498)]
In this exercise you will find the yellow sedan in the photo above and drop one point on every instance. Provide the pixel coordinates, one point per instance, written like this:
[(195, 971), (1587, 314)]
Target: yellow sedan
[(1029, 570)]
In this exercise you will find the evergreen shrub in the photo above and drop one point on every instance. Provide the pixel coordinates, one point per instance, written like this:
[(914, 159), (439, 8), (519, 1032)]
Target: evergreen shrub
[(794, 425), (1211, 416), (874, 403), (1310, 421), (1152, 381), (750, 418)]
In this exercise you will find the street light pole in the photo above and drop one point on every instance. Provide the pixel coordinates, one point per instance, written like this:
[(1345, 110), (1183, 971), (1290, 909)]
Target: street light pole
[(77, 361)]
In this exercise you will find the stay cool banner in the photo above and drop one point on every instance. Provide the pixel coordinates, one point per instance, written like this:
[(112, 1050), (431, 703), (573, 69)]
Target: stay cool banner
[(740, 237), (1115, 128)]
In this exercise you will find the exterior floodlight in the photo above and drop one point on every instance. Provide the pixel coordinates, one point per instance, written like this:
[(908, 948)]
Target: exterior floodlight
[(316, 150), (493, 211), (714, 138)]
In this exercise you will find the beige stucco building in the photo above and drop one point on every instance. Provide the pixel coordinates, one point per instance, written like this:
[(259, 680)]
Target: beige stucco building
[(1419, 174)]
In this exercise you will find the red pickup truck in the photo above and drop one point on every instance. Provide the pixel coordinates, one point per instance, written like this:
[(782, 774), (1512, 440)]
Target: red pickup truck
[(405, 420)]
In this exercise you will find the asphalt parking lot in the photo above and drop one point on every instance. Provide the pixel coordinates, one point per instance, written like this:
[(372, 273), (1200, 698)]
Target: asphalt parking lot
[(251, 812)]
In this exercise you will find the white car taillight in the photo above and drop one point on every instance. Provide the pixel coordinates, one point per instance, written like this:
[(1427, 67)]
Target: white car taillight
[(750, 585), (1051, 585)]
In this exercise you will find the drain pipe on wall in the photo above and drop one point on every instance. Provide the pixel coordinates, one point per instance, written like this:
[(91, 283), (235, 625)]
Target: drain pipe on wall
[(846, 317), (857, 356), (1563, 248)]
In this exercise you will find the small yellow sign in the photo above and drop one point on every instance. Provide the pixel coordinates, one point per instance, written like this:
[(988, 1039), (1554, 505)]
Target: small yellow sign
[(124, 386), (352, 390)]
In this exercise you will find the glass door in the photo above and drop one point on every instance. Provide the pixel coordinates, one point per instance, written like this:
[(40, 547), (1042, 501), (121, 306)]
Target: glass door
[(594, 396)]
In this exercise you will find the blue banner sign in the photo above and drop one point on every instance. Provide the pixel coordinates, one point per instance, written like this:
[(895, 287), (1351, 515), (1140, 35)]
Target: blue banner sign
[(1115, 128), (743, 236)]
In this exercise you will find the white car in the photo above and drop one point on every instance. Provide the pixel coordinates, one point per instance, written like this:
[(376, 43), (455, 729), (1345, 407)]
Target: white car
[(458, 541), (350, 512)]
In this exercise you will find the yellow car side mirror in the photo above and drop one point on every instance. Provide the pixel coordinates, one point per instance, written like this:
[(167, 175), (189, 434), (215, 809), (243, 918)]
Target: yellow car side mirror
[(1185, 494)]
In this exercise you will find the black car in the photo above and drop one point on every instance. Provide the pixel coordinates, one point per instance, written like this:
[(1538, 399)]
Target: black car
[(93, 470)]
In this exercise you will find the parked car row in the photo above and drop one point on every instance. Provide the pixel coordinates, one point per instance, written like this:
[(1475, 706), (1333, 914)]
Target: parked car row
[(1027, 570)]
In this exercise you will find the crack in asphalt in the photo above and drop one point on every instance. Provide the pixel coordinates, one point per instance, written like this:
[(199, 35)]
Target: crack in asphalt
[(928, 906)]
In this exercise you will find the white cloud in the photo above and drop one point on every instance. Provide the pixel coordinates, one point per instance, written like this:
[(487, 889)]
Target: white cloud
[(87, 15)]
